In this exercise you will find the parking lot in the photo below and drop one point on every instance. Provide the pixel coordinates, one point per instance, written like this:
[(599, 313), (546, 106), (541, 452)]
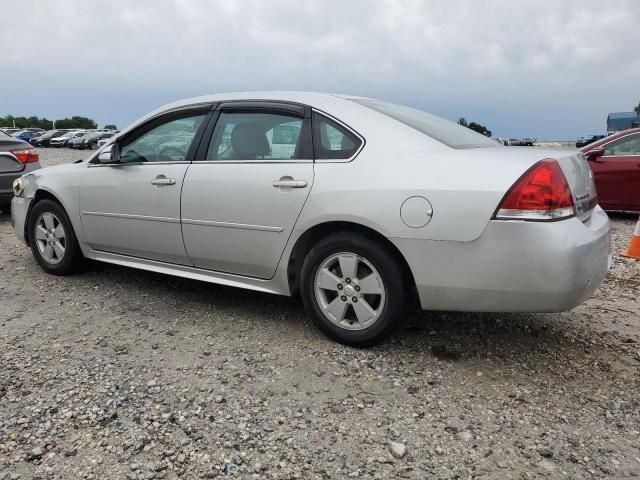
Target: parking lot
[(118, 373)]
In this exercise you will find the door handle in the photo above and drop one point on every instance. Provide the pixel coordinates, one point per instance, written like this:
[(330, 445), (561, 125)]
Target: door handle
[(290, 183), (162, 180)]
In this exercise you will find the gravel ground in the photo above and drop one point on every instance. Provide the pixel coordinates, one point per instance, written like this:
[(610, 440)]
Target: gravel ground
[(118, 373)]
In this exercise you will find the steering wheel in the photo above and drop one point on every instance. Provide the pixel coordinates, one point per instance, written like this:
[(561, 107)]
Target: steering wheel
[(171, 154)]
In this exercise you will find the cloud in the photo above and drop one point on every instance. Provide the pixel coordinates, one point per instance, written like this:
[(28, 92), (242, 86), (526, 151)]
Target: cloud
[(537, 68)]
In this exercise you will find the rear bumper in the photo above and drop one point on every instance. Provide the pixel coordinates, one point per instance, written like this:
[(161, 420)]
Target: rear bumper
[(515, 266)]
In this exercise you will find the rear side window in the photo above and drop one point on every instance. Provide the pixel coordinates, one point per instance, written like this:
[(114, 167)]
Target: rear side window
[(332, 141), (256, 136)]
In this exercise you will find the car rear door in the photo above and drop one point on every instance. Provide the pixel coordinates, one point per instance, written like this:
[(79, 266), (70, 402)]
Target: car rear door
[(132, 206), (244, 191), (617, 174)]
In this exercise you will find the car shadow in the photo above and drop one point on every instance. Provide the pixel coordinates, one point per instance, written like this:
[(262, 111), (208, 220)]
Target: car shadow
[(622, 215), (448, 336)]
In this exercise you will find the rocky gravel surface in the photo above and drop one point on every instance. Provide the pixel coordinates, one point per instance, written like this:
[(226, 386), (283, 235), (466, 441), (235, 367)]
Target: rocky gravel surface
[(118, 373)]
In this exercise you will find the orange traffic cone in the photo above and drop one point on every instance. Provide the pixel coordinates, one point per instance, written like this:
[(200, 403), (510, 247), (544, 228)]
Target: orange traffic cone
[(634, 247)]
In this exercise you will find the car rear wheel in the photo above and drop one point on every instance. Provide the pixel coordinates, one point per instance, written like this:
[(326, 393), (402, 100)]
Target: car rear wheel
[(353, 289), (52, 239)]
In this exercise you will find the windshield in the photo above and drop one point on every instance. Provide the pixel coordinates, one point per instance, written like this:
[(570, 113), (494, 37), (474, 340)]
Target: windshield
[(444, 131)]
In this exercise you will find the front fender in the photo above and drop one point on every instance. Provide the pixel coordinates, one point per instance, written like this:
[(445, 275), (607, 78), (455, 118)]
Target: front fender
[(61, 184)]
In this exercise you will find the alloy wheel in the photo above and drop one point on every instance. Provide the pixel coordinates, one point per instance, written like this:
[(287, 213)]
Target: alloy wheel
[(50, 238), (349, 291)]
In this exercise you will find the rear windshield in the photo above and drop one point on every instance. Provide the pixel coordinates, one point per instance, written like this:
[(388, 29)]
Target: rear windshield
[(444, 131)]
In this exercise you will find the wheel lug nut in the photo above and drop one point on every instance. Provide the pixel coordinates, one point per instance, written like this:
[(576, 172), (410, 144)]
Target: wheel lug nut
[(357, 288), (348, 280), (339, 286), (343, 298), (354, 299)]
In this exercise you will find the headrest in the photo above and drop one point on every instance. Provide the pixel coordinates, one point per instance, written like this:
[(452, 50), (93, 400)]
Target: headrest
[(249, 142)]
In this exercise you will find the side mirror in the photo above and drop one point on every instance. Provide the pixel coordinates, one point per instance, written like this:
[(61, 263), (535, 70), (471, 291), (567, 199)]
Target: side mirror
[(595, 154), (110, 154)]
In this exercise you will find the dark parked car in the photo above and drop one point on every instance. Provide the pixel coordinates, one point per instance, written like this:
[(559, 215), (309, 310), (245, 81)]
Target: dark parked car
[(76, 142), (17, 157), (615, 162), (44, 139), (584, 141)]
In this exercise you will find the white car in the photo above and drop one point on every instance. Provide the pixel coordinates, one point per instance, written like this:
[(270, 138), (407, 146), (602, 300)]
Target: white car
[(358, 205), (63, 139)]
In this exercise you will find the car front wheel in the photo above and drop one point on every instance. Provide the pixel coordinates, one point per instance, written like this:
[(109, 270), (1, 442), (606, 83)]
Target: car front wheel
[(353, 289), (52, 239)]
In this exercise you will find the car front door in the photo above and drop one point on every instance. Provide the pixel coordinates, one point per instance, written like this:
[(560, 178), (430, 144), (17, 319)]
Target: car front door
[(244, 191), (617, 174), (131, 206)]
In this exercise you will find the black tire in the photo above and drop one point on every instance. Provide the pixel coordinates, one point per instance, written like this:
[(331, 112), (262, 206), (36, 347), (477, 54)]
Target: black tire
[(5, 208), (72, 257), (93, 146), (391, 273)]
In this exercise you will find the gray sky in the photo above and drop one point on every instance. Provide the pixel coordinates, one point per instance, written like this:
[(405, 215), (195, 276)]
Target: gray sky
[(546, 69)]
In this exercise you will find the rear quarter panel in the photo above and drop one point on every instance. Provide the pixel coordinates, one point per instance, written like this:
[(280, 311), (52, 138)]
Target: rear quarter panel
[(464, 188)]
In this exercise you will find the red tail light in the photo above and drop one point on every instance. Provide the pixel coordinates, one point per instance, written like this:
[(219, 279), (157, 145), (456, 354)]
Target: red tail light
[(542, 193), (26, 155)]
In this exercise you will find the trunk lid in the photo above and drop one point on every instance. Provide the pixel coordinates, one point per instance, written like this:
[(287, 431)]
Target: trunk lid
[(8, 162)]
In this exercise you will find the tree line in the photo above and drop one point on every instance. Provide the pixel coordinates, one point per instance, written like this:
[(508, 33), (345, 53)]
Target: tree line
[(475, 126), (9, 121)]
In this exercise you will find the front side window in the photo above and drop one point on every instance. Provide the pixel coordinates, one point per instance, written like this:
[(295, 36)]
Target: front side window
[(332, 141), (167, 142), (624, 146), (256, 136)]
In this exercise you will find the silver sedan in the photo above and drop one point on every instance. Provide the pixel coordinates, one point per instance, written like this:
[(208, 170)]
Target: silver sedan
[(360, 206)]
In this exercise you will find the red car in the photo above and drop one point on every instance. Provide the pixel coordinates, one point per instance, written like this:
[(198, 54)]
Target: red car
[(615, 162)]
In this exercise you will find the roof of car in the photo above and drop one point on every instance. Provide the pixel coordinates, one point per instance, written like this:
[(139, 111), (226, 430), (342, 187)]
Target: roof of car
[(321, 101), (308, 98)]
